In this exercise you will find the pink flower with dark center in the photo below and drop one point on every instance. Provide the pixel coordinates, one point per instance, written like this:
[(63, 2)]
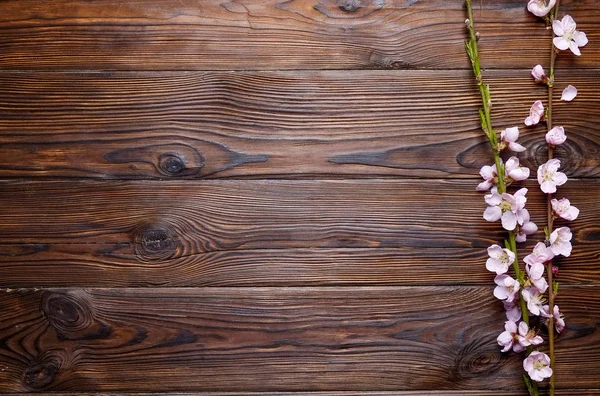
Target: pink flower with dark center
[(509, 137), (534, 299), (507, 339), (556, 136), (549, 177), (560, 241), (536, 276), (564, 209), (500, 259), (528, 337), (536, 113), (509, 208), (541, 254), (540, 8), (567, 37), (539, 75), (507, 289), (569, 93), (537, 366)]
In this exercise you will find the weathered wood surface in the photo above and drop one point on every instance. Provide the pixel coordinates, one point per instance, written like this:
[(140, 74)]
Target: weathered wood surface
[(316, 393), (245, 233), (276, 339), (321, 287), (275, 34), (278, 124)]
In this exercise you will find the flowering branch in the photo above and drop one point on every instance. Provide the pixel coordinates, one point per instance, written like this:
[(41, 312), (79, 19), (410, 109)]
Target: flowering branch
[(564, 36), (510, 209)]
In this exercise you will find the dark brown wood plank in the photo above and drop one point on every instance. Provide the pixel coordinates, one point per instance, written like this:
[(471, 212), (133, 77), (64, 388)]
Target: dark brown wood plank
[(274, 339), (276, 34), (278, 124), (240, 233), (317, 393)]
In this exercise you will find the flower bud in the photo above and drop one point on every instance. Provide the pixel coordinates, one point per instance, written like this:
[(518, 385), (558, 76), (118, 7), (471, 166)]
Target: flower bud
[(539, 74), (556, 136)]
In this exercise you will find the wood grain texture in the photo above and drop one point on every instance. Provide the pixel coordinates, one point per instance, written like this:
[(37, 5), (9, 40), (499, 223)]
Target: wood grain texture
[(587, 392), (240, 233), (278, 124), (276, 339), (276, 34)]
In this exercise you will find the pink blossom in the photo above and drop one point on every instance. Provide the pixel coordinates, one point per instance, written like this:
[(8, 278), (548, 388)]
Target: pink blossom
[(539, 74), (506, 207), (559, 319), (564, 209), (549, 177), (507, 289), (540, 8), (509, 137), (567, 37), (534, 300), (513, 312), (569, 93), (527, 336), (541, 254), (507, 338), (514, 170), (537, 366), (556, 136), (489, 174), (527, 228), (536, 113), (500, 259), (535, 273), (560, 241)]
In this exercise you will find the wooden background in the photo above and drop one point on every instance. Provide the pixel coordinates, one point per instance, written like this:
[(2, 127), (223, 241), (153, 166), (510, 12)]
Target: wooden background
[(248, 196)]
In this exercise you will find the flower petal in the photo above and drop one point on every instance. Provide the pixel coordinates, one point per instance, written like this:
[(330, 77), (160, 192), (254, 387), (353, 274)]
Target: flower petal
[(580, 38), (569, 93), (560, 43), (574, 48), (516, 147), (492, 213), (558, 27), (509, 221)]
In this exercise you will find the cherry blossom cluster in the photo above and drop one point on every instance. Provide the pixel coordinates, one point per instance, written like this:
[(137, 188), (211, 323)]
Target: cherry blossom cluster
[(525, 294)]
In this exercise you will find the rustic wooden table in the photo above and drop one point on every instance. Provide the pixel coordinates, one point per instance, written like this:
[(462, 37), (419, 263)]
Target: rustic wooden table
[(274, 196)]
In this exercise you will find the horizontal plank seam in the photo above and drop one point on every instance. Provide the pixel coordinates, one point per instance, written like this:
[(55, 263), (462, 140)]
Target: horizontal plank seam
[(299, 180), (183, 71), (276, 289)]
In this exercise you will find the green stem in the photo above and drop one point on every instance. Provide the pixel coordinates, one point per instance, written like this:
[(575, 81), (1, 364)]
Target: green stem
[(486, 124), (550, 215)]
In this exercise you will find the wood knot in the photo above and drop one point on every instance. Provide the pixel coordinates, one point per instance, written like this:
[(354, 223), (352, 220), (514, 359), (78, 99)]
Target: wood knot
[(349, 5), (66, 313), (166, 159), (42, 372), (478, 358), (569, 153), (171, 164), (155, 242)]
